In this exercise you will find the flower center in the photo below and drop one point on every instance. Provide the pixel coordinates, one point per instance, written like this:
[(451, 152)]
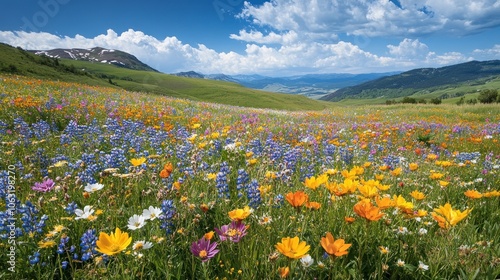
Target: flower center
[(114, 248), (203, 254)]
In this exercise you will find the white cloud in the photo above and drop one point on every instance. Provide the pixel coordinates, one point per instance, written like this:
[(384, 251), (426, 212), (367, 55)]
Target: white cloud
[(271, 38), (487, 54), (375, 17), (285, 53), (409, 49)]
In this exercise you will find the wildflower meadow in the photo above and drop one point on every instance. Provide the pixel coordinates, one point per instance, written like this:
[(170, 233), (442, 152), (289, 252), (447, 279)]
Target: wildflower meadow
[(98, 183)]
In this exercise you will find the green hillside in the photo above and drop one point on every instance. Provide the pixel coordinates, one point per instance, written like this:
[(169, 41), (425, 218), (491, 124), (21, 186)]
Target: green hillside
[(19, 62), (423, 81)]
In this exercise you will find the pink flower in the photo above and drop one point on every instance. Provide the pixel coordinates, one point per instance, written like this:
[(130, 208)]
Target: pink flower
[(204, 249), (45, 186), (233, 231)]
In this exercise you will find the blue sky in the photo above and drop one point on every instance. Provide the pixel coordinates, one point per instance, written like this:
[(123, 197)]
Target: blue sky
[(278, 38)]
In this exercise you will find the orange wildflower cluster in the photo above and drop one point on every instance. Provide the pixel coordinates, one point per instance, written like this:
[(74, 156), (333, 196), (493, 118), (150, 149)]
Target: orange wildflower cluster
[(167, 170)]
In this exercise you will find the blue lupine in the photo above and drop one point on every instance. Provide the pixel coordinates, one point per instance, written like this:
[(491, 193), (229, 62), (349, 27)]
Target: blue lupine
[(88, 245), (40, 129), (35, 258), (62, 247), (253, 194), (242, 181), (71, 207), (31, 222), (222, 185), (168, 209)]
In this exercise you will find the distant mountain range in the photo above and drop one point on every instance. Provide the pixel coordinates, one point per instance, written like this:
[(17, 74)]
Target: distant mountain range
[(98, 55), (329, 87), (428, 79), (312, 85)]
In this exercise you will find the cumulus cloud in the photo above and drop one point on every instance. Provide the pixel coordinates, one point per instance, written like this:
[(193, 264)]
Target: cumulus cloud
[(409, 49), (376, 17), (283, 55), (486, 54)]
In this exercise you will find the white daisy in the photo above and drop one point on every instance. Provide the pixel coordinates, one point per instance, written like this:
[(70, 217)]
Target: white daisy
[(85, 213), (142, 245), (306, 261), (90, 188), (400, 263), (151, 213), (422, 266), (136, 222)]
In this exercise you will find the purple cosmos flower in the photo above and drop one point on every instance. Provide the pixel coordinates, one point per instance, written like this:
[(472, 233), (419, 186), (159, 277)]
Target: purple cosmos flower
[(45, 186), (233, 231), (203, 249)]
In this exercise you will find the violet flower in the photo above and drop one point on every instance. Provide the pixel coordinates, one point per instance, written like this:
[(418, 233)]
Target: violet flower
[(204, 249), (45, 186), (233, 231)]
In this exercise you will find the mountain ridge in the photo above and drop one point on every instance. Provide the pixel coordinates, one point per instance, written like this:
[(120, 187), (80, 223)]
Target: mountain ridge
[(308, 84), (412, 81), (97, 55)]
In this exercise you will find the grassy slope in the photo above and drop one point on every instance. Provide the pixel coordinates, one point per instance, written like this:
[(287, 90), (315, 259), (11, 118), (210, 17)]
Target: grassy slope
[(28, 64), (471, 91), (16, 61), (199, 89)]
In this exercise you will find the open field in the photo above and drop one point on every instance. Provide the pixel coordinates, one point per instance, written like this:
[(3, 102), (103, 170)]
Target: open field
[(101, 183)]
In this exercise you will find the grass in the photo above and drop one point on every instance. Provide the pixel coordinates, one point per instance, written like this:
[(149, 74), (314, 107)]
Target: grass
[(197, 162)]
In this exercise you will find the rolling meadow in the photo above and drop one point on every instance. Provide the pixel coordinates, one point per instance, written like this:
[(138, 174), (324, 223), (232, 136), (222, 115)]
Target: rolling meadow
[(102, 183)]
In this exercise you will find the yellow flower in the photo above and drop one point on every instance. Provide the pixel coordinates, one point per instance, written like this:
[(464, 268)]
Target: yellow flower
[(447, 217), (138, 161), (334, 248), (271, 175), (396, 172), (443, 183), (292, 247), (240, 214), (211, 176), (368, 190), (312, 182), (436, 175), (473, 194), (401, 203), (349, 174), (417, 195), (46, 244), (114, 243), (413, 166), (384, 250), (252, 161), (195, 125)]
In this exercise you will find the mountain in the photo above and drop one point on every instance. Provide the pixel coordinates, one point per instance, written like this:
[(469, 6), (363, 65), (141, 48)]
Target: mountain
[(424, 79), (311, 85), (98, 55)]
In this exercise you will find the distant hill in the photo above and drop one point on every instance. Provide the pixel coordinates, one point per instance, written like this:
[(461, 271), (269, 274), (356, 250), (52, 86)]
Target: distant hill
[(98, 55), (310, 84), (410, 82), (16, 61)]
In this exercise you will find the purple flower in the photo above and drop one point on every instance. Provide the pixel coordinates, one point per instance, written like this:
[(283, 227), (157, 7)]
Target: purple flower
[(44, 186), (233, 231), (203, 249)]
